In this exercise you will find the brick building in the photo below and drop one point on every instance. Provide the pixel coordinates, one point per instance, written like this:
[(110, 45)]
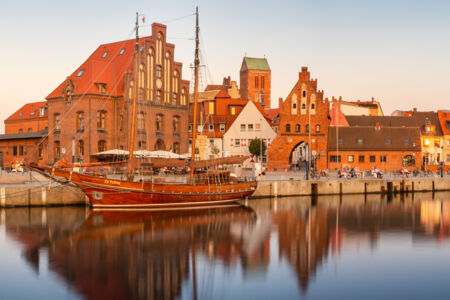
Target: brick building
[(444, 120), (255, 81), (92, 107), (303, 109), (25, 135)]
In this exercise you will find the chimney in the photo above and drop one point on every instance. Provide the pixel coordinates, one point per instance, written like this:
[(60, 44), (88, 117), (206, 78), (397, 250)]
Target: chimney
[(414, 111), (373, 99), (280, 101)]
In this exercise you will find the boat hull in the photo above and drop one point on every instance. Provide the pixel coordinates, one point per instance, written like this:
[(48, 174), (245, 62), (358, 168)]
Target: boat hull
[(110, 193)]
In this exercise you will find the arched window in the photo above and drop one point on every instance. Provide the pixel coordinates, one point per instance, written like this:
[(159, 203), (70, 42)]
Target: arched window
[(158, 71), (303, 106), (297, 128), (158, 96), (140, 121), (167, 76), (176, 148), (130, 90), (176, 124), (150, 63), (101, 146), (294, 105), (101, 119), (142, 144), (159, 145), (57, 121), (81, 148), (312, 106), (307, 127), (141, 76), (317, 128), (159, 49), (304, 94), (175, 86), (57, 149), (288, 127), (261, 97), (159, 122), (183, 97), (80, 120)]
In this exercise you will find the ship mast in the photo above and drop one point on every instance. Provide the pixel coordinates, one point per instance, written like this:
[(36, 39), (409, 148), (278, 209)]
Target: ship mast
[(196, 65), (133, 115)]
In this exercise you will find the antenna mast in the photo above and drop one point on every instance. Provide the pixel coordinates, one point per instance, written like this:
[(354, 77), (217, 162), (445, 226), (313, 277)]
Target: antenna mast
[(196, 64), (133, 115)]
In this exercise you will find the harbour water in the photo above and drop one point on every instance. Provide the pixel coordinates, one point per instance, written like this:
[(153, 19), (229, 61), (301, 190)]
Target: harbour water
[(288, 248)]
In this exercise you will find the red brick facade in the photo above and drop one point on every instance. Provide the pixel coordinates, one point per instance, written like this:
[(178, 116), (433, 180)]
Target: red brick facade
[(32, 117), (304, 105), (93, 106), (255, 81)]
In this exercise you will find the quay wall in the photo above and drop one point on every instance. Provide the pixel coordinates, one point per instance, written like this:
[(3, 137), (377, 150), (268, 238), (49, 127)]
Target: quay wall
[(289, 188), (48, 195)]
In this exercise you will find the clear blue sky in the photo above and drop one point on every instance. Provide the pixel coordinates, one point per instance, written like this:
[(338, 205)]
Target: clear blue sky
[(397, 51)]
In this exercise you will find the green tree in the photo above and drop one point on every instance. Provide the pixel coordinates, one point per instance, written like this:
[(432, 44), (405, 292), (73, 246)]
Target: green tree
[(255, 147)]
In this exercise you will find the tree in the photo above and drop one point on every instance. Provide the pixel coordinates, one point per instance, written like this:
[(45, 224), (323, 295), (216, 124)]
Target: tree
[(255, 147)]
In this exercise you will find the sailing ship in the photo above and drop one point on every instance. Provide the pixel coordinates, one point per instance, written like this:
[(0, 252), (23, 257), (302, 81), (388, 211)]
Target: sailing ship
[(204, 188)]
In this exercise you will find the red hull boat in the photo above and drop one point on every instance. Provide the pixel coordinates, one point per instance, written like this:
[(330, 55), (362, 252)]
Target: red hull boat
[(112, 193)]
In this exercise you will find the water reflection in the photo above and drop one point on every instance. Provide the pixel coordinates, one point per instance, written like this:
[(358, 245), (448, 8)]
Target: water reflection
[(161, 255)]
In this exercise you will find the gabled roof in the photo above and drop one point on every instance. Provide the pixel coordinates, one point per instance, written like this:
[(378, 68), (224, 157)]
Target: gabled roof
[(254, 63), (336, 115), (99, 68), (430, 117), (444, 120), (273, 113), (25, 135), (383, 121), (222, 94), (29, 111), (400, 138)]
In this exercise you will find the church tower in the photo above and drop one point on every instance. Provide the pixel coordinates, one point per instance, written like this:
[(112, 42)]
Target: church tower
[(255, 81)]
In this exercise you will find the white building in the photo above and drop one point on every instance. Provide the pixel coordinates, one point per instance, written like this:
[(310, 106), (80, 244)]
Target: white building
[(251, 123)]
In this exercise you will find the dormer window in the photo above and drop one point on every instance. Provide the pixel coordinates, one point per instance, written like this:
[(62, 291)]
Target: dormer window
[(101, 87), (32, 113), (105, 54), (122, 52), (41, 111), (20, 114), (80, 73)]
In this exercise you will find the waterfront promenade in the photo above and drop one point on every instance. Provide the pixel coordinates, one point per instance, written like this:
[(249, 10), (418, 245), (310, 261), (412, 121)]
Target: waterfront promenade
[(35, 190)]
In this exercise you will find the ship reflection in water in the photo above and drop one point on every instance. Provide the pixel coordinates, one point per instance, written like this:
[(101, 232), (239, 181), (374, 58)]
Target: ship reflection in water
[(285, 248)]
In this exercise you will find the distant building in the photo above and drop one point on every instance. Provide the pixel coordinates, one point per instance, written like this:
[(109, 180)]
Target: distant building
[(255, 81), (25, 138), (359, 108), (444, 120), (92, 107), (385, 142), (216, 111), (251, 123), (303, 121)]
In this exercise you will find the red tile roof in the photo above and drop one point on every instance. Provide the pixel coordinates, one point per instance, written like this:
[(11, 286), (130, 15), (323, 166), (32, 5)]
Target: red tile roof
[(444, 120), (28, 111), (263, 112), (273, 113), (336, 115), (223, 94), (99, 69)]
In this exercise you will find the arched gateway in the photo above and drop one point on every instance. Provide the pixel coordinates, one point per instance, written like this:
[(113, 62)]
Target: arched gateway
[(303, 120)]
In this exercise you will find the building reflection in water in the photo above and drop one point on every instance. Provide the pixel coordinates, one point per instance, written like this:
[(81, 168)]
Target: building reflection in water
[(152, 255)]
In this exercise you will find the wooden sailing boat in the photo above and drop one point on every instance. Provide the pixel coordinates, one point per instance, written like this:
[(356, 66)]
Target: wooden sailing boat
[(198, 189)]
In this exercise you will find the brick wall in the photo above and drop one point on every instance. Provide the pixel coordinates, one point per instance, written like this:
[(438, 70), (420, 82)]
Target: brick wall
[(36, 124), (304, 92)]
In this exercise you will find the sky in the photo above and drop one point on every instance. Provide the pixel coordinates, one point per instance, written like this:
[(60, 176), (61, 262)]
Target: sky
[(397, 51)]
